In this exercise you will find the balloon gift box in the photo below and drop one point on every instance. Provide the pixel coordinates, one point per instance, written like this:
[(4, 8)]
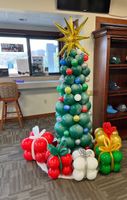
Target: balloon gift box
[(107, 145), (35, 146), (78, 165)]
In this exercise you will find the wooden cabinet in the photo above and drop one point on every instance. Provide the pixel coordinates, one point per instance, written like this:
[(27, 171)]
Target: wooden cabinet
[(110, 44)]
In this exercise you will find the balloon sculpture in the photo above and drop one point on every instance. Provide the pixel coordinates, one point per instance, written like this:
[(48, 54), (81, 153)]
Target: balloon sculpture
[(85, 164), (107, 145), (73, 121), (71, 156), (35, 146), (72, 109)]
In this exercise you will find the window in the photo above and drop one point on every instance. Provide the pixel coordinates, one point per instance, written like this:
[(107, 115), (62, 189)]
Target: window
[(44, 56), (14, 56), (25, 53)]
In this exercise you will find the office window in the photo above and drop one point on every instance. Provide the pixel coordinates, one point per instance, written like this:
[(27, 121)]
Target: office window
[(44, 56), (14, 56), (27, 53)]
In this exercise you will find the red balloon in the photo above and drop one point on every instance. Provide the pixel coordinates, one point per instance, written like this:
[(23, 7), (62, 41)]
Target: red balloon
[(86, 57), (26, 144), (53, 162), (49, 136), (69, 71), (31, 133), (67, 170), (40, 157), (84, 109), (66, 160), (53, 173), (61, 99), (47, 154), (27, 155), (40, 145)]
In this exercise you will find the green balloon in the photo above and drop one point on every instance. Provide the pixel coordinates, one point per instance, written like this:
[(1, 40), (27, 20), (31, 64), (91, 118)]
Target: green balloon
[(75, 109), (97, 151), (84, 119), (62, 88), (86, 71), (67, 120), (77, 70), (91, 145), (84, 98), (86, 140), (84, 87), (69, 99), (88, 105), (63, 69), (73, 53), (89, 125), (58, 88), (76, 89), (74, 62), (69, 79), (118, 156), (82, 78), (66, 133), (80, 59), (69, 142), (105, 169), (60, 108), (59, 128), (68, 61), (117, 167), (76, 131), (105, 158)]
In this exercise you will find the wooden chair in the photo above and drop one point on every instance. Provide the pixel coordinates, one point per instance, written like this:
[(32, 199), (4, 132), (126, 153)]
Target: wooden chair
[(9, 94)]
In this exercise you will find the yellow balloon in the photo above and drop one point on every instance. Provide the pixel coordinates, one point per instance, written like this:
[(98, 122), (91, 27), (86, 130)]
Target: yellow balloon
[(115, 139), (115, 133), (76, 118), (100, 139), (67, 90), (97, 130)]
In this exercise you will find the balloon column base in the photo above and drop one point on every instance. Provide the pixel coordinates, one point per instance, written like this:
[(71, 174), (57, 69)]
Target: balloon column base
[(44, 168)]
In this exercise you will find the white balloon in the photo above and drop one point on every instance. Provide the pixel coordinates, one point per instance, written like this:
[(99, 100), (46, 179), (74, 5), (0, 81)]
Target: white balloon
[(91, 174), (79, 163), (77, 97), (77, 141), (84, 65), (78, 175), (90, 153), (75, 154), (92, 163), (79, 51)]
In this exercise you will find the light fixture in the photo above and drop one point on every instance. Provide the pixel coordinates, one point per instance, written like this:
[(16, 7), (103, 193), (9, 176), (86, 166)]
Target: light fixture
[(22, 19)]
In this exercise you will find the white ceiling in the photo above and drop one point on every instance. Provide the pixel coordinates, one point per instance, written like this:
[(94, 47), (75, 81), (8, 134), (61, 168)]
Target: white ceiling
[(31, 18)]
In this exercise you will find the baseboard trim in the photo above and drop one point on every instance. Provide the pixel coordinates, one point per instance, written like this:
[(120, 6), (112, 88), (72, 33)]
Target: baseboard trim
[(33, 117)]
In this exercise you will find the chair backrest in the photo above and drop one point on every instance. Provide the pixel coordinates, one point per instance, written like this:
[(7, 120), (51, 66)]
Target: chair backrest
[(8, 90)]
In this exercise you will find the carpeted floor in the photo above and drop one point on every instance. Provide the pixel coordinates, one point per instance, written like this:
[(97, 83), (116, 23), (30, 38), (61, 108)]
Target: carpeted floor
[(21, 180)]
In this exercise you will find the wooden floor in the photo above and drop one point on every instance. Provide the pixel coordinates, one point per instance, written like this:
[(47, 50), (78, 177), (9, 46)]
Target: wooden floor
[(21, 180)]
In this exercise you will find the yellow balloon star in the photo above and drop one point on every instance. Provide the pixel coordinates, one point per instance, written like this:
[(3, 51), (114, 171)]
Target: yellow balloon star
[(71, 36)]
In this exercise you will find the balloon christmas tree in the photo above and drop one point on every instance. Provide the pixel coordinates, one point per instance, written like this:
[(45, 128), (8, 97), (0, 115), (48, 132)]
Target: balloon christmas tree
[(73, 123)]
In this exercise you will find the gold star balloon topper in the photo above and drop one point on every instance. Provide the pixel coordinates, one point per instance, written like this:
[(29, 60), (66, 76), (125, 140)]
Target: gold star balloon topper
[(71, 36)]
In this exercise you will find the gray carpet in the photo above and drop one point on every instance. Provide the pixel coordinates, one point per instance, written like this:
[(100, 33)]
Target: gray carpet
[(21, 180)]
